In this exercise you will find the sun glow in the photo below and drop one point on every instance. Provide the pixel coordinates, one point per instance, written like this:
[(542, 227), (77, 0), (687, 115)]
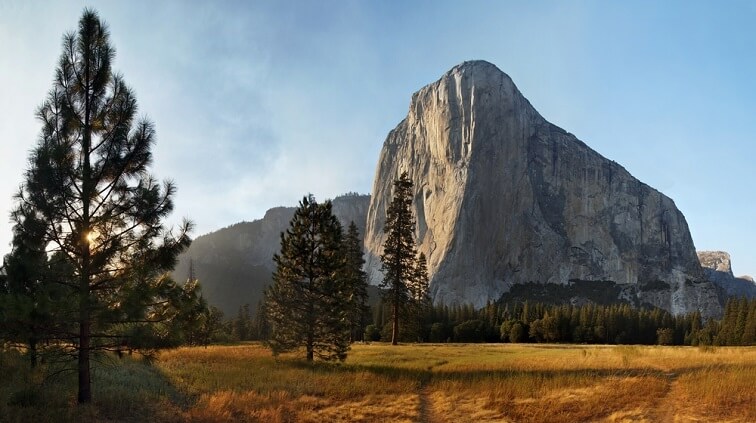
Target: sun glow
[(92, 237)]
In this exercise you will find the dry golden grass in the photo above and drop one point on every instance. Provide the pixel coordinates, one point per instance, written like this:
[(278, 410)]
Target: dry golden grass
[(244, 383), (412, 383), (716, 392)]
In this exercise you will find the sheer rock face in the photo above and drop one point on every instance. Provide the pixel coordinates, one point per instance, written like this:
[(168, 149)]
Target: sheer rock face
[(503, 197), (718, 268)]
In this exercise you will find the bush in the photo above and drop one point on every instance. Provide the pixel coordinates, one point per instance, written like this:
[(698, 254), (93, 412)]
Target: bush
[(504, 329), (438, 333), (470, 331), (517, 332), (665, 336), (372, 333)]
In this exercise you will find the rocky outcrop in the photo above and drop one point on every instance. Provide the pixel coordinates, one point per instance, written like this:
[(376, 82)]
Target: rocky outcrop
[(718, 269), (503, 197), (235, 264)]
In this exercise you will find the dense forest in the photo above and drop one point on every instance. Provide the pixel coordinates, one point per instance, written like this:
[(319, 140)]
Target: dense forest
[(538, 322)]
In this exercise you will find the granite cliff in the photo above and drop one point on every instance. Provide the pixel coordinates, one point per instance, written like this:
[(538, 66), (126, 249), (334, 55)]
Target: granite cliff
[(506, 200), (718, 269)]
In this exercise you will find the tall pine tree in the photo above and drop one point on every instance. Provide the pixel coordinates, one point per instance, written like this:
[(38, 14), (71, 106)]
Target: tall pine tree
[(356, 284), (88, 180), (398, 258), (307, 303), (421, 302)]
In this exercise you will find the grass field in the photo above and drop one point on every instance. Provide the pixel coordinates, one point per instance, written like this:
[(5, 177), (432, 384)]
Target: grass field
[(407, 383)]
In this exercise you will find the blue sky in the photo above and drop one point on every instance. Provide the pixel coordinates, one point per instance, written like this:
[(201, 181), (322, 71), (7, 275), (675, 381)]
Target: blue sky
[(258, 103)]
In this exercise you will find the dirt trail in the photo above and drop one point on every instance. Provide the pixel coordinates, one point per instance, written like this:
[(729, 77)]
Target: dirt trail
[(666, 408), (425, 410)]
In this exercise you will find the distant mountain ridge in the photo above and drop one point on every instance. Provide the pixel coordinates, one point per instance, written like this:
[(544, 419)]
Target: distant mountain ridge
[(235, 264)]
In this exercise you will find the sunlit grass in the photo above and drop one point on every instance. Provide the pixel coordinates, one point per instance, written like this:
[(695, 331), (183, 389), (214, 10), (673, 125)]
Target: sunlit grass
[(717, 391), (406, 383), (253, 386)]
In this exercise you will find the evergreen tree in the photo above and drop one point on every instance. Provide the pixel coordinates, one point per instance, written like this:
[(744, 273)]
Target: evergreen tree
[(29, 297), (307, 302), (749, 332), (355, 280), (740, 322), (726, 333), (665, 336), (88, 180), (260, 325), (208, 328), (517, 332), (243, 323), (469, 331), (192, 314), (398, 258), (421, 303)]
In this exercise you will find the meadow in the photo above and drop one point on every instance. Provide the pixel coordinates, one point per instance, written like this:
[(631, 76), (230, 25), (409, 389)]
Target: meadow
[(405, 383)]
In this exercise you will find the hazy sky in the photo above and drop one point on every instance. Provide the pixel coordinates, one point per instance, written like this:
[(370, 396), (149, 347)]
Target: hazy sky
[(258, 103)]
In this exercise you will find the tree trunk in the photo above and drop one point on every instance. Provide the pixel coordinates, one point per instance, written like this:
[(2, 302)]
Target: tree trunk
[(33, 352), (85, 327), (395, 323), (85, 387), (310, 332)]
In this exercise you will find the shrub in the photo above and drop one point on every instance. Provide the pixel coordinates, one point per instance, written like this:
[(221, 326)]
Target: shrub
[(517, 332), (665, 336), (372, 333), (438, 333), (470, 331)]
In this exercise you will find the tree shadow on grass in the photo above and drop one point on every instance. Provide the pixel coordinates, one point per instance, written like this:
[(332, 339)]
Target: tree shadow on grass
[(136, 390), (562, 395), (420, 374), (127, 390), (573, 378)]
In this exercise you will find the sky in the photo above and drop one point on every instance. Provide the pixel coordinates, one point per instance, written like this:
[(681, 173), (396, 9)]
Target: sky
[(257, 103)]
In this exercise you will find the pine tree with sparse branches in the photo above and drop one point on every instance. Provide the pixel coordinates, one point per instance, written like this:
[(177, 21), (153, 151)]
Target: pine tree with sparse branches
[(88, 181), (307, 304), (398, 258)]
